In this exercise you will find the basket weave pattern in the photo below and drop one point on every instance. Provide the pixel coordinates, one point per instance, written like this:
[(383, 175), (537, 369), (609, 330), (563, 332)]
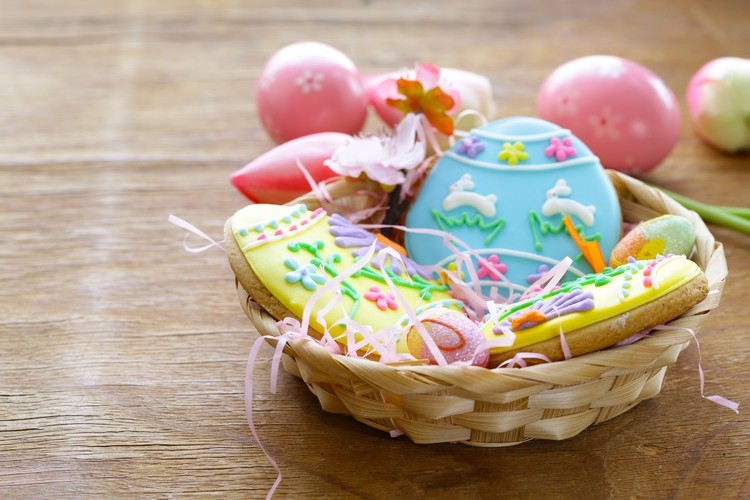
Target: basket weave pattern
[(507, 406)]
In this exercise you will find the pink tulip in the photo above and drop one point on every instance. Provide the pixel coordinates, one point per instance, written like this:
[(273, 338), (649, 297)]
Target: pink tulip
[(275, 176)]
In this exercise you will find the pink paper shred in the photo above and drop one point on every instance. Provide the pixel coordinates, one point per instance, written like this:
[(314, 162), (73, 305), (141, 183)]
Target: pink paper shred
[(383, 343)]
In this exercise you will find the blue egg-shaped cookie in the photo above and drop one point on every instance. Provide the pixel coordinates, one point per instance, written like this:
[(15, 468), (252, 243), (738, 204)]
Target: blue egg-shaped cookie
[(505, 190)]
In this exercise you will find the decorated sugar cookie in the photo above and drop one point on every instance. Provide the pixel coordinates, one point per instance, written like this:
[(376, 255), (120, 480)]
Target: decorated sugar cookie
[(511, 190), (289, 258), (597, 310)]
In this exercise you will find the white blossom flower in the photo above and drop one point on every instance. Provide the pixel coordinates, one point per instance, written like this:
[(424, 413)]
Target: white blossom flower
[(384, 159)]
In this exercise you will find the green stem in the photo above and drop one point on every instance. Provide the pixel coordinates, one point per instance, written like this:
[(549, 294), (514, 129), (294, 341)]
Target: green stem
[(731, 217), (738, 211)]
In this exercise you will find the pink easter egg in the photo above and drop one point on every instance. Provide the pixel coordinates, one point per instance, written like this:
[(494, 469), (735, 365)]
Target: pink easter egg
[(621, 110), (457, 337), (307, 88), (275, 176)]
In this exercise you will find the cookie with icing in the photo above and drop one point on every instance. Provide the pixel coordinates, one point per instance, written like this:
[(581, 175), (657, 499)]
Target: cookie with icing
[(598, 310), (289, 257), (505, 190)]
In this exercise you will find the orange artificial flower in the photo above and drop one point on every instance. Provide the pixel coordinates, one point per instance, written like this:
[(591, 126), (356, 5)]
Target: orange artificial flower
[(434, 103)]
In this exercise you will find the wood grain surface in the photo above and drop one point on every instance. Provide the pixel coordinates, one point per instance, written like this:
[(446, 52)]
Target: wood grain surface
[(122, 372)]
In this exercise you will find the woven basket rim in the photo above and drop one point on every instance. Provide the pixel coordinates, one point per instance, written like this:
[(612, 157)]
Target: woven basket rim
[(705, 245), (336, 379)]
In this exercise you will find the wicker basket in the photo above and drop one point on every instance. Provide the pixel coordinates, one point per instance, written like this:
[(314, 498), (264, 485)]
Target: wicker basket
[(507, 406)]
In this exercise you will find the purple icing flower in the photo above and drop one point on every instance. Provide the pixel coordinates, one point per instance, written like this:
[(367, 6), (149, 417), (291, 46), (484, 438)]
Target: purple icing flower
[(560, 149), (348, 235), (540, 271), (470, 146), (542, 310)]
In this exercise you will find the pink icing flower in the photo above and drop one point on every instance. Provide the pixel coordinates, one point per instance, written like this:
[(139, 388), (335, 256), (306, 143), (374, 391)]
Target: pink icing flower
[(560, 149), (491, 268), (383, 300), (382, 159)]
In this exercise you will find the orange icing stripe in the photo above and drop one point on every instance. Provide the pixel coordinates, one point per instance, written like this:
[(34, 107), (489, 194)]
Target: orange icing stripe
[(590, 249)]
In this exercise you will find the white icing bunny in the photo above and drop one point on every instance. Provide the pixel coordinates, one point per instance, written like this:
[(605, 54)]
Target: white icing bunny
[(556, 205)]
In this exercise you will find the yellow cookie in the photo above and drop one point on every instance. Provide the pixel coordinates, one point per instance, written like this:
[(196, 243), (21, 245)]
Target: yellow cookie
[(598, 310), (289, 257)]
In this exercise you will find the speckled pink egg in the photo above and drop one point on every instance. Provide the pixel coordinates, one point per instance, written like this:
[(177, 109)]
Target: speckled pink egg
[(621, 110), (457, 337), (307, 88)]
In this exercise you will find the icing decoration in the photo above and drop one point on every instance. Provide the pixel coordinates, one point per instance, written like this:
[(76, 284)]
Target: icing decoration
[(530, 201), (348, 235), (588, 300), (276, 176), (556, 204), (303, 256), (448, 223), (589, 249), (560, 149), (461, 194), (381, 238), (306, 274), (621, 110), (666, 234), (383, 300), (470, 146), (491, 268), (307, 88), (513, 153)]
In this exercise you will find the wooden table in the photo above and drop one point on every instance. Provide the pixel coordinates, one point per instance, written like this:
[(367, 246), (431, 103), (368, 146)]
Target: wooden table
[(123, 356)]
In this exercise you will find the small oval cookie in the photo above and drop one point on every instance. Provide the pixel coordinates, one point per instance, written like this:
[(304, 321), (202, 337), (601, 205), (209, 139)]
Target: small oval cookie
[(663, 235)]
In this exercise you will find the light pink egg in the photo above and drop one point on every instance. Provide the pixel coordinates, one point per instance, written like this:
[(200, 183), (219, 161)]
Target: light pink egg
[(456, 336), (307, 88), (621, 110)]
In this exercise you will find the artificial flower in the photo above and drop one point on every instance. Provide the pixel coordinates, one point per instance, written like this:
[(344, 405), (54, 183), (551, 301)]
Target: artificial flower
[(423, 95), (384, 159), (471, 91)]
